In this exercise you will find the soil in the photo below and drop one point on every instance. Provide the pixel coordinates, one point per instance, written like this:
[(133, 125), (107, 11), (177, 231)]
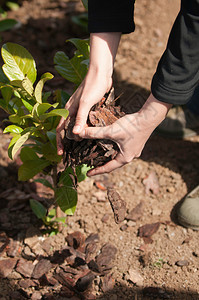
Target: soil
[(156, 257)]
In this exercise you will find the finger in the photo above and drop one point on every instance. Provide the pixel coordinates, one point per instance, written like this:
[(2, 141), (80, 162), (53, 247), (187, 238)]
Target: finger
[(59, 130), (81, 118), (95, 133), (107, 168)]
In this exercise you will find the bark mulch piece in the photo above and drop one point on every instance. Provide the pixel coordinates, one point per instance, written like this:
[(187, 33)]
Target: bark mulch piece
[(6, 266), (42, 267), (148, 230), (25, 268), (118, 205), (92, 152)]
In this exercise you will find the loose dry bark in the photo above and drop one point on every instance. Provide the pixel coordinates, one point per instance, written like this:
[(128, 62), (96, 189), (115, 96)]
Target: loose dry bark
[(92, 152), (118, 205)]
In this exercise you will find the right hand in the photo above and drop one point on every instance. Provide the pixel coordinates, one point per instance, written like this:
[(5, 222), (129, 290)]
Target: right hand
[(90, 92)]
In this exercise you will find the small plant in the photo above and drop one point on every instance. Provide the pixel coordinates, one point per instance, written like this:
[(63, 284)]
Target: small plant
[(34, 116), (159, 263)]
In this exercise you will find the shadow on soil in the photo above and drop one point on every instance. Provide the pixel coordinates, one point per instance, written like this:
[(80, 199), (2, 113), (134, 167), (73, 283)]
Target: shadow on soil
[(120, 292)]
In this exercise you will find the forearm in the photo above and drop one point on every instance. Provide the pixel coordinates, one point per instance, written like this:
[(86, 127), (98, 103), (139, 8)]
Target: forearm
[(103, 49)]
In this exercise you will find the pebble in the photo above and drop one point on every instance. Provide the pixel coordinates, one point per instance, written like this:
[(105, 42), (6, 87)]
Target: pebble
[(131, 223), (135, 277), (182, 263), (105, 218)]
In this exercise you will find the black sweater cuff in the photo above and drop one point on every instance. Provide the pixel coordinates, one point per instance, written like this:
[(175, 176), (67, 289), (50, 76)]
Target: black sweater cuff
[(111, 16)]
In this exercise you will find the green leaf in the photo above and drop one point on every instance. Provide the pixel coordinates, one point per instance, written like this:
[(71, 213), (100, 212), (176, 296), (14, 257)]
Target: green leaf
[(3, 77), (30, 168), (7, 24), (11, 145), (50, 153), (19, 63), (65, 177), (38, 209), (52, 137), (27, 105), (81, 172), (13, 129), (27, 85), (24, 137), (70, 69), (60, 219), (61, 112), (82, 46), (12, 5), (40, 85), (7, 92), (66, 198), (3, 105), (28, 153), (46, 96), (42, 108)]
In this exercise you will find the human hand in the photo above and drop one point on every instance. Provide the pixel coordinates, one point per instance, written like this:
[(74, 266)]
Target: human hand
[(129, 132), (90, 92), (98, 81)]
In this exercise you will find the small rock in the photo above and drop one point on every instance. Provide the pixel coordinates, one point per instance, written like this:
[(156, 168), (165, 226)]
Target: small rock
[(136, 213), (42, 267), (156, 211), (131, 224), (182, 263), (6, 266), (105, 218), (124, 227), (100, 196), (135, 277), (148, 229), (151, 183), (25, 267)]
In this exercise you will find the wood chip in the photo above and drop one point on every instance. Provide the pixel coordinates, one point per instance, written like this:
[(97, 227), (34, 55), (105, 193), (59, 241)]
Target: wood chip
[(118, 205)]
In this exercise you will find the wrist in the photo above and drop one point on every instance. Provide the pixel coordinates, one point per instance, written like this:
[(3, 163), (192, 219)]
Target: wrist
[(154, 111)]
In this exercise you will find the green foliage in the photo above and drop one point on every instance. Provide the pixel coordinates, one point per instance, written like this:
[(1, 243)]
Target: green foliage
[(74, 69), (34, 120), (7, 24)]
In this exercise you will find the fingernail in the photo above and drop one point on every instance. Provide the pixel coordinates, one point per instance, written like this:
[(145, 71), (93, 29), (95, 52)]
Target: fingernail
[(77, 129)]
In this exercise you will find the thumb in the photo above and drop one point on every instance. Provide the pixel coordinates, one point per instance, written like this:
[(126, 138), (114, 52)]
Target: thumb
[(95, 133), (81, 119)]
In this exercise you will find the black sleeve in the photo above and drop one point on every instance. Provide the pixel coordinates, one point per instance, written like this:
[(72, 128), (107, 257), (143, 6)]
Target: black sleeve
[(111, 16), (177, 73)]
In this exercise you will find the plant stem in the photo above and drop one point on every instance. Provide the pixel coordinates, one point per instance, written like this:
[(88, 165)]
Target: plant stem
[(57, 208)]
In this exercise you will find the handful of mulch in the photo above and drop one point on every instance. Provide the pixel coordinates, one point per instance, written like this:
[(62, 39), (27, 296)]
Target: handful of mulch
[(90, 151)]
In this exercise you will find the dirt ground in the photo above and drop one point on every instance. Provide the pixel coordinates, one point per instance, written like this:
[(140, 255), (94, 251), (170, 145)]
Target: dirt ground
[(164, 266)]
